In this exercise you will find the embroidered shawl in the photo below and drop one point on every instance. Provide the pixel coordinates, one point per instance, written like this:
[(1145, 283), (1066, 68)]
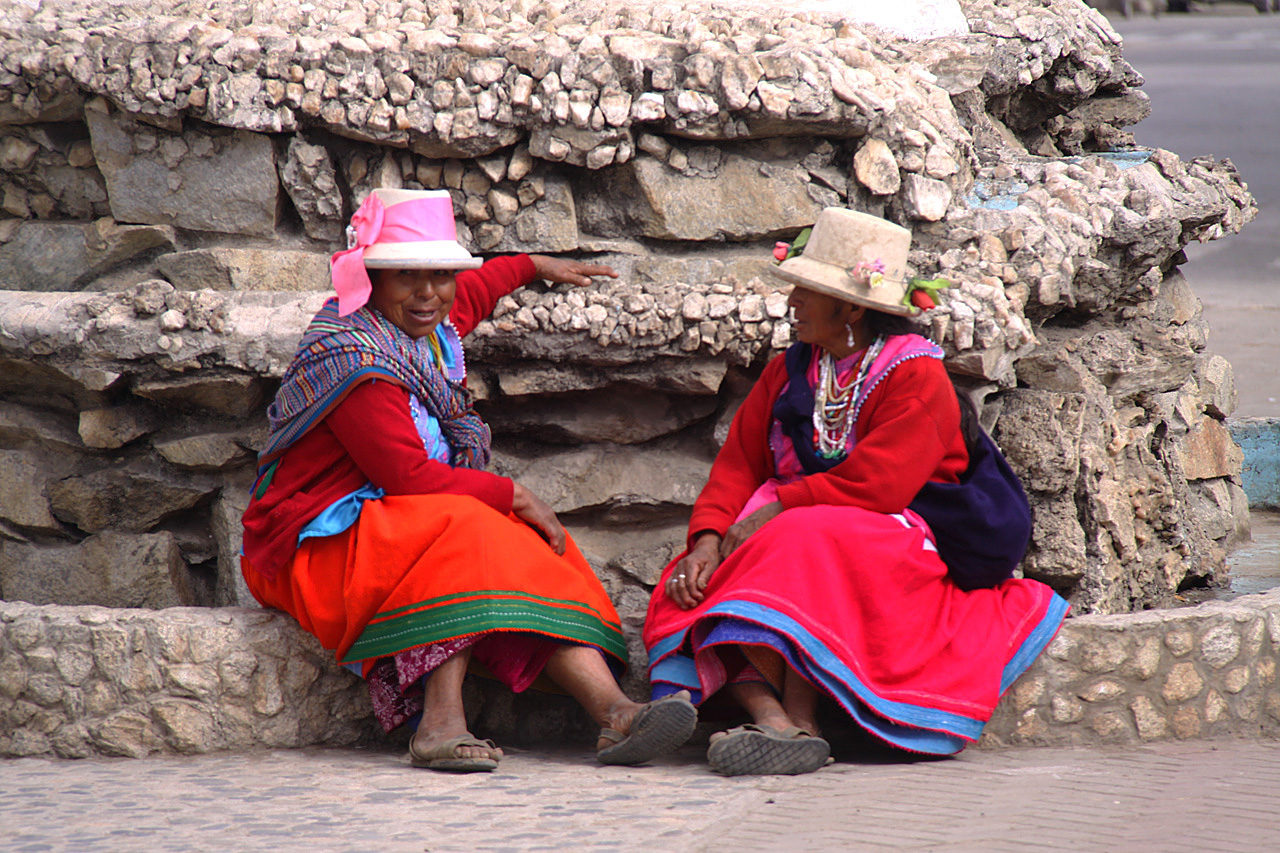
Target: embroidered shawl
[(337, 353)]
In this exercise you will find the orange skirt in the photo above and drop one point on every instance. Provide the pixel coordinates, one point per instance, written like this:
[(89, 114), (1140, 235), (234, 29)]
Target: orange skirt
[(421, 569)]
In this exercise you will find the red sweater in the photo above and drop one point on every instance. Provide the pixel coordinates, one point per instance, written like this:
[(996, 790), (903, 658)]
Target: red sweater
[(908, 432), (370, 437)]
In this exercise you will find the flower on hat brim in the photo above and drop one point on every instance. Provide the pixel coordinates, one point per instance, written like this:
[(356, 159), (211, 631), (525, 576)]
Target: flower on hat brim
[(923, 293), (786, 251)]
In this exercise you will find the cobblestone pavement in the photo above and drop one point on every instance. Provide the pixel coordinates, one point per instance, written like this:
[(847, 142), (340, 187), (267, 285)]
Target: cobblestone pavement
[(1221, 796)]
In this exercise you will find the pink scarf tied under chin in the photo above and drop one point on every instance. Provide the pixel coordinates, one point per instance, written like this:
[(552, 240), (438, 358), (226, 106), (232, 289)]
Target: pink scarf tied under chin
[(417, 220)]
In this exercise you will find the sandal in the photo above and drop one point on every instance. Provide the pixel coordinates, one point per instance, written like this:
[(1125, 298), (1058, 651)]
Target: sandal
[(443, 756), (758, 750), (657, 728)]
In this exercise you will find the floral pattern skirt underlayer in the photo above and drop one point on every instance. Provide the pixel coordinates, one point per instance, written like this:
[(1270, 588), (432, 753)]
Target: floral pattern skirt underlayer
[(859, 603), (418, 578)]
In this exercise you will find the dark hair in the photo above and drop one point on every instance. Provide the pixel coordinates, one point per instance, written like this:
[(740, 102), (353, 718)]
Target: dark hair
[(970, 421), (880, 323)]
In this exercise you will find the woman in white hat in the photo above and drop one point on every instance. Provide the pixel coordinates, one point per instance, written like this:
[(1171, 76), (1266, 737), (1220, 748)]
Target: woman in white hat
[(374, 523), (806, 573)]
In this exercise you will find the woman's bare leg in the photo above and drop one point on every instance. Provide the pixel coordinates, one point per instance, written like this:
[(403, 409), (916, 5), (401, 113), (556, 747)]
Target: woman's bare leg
[(797, 708), (443, 716), (583, 673), (800, 701), (761, 703)]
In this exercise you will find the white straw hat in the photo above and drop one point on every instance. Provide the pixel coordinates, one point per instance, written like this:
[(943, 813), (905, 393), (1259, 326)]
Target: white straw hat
[(856, 257)]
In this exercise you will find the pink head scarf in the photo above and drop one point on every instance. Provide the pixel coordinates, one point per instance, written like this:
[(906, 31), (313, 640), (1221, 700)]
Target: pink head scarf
[(411, 221)]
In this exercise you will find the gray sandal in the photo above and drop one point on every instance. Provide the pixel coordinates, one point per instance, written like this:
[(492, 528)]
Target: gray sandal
[(756, 750), (658, 728), (444, 756)]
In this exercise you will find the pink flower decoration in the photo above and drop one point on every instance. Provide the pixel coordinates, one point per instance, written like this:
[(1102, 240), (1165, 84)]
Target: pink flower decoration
[(350, 279)]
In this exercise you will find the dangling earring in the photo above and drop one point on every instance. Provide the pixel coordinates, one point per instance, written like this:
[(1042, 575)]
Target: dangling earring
[(852, 342)]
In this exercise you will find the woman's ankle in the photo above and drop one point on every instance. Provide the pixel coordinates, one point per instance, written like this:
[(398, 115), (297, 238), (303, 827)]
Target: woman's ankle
[(620, 715)]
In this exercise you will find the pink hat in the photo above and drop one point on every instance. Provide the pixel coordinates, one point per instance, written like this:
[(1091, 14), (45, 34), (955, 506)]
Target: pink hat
[(397, 229)]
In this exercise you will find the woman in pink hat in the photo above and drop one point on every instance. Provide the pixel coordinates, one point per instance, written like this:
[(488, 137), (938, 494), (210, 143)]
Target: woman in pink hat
[(375, 524)]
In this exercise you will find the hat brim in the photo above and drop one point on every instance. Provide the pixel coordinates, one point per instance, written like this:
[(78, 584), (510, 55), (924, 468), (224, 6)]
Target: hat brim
[(426, 255), (792, 276)]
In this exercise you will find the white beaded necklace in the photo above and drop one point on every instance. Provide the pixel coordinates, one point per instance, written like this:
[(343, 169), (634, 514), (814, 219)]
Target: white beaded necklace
[(833, 402)]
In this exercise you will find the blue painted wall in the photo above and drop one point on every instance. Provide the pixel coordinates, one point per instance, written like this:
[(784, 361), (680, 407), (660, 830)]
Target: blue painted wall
[(1260, 440)]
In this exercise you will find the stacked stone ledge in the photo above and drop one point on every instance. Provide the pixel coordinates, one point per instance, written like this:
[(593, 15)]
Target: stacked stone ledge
[(159, 172), (84, 681)]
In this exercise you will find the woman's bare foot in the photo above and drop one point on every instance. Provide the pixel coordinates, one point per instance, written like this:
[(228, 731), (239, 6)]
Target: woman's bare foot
[(444, 718), (797, 708), (425, 743), (637, 733), (618, 717)]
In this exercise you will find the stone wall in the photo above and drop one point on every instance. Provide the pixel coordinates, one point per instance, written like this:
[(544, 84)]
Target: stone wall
[(160, 170), (82, 681), (1195, 672)]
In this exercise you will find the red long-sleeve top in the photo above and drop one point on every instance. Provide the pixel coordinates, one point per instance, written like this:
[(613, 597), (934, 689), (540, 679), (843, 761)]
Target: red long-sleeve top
[(370, 437), (908, 432)]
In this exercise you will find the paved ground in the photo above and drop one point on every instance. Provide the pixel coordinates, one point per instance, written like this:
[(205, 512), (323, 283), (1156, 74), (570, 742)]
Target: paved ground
[(1255, 566), (1221, 796)]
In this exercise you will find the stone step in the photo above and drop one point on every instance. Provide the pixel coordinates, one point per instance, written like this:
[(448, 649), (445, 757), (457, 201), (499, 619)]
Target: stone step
[(83, 681)]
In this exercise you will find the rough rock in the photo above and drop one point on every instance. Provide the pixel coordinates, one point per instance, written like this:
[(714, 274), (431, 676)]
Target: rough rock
[(621, 416), (743, 200), (311, 181), (50, 257), (229, 394), (245, 269), (109, 428), (44, 257), (676, 146), (134, 682), (22, 498), (110, 569), (215, 181), (209, 452), (123, 499), (601, 476)]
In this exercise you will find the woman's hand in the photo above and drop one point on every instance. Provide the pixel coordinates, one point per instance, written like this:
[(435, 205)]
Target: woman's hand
[(569, 271), (533, 511), (690, 576), (742, 531)]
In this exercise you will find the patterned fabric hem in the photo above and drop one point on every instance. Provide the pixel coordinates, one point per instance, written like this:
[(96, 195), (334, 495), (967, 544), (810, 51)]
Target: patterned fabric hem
[(913, 728), (480, 615)]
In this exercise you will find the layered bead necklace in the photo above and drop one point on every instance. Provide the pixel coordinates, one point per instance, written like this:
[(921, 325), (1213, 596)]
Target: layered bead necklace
[(833, 402)]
